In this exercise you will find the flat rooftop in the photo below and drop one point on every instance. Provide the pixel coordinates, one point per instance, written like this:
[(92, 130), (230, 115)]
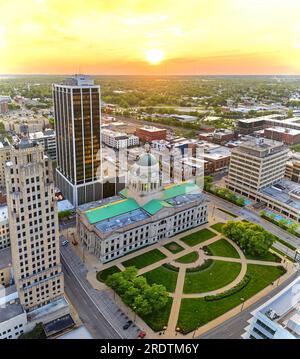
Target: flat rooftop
[(5, 257), (9, 311), (284, 191), (58, 325), (289, 131), (284, 308), (152, 129), (261, 147), (78, 333), (111, 224)]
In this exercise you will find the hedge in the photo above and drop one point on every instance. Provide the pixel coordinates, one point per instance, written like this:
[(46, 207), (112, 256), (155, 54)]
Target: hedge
[(228, 293)]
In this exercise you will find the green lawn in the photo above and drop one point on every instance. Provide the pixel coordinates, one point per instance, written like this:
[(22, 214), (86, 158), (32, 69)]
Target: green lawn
[(188, 258), (198, 237), (159, 319), (227, 212), (218, 275), (173, 247), (194, 313), (164, 276), (223, 248), (269, 257), (218, 227), (102, 275), (145, 259)]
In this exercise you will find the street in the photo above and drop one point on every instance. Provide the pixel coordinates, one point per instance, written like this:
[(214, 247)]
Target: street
[(97, 310), (255, 218)]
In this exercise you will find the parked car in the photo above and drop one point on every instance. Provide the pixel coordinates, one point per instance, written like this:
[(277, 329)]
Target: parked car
[(141, 335), (65, 243), (127, 325)]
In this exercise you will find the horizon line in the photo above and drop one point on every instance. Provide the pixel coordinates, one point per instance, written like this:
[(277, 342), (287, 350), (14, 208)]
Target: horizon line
[(149, 75)]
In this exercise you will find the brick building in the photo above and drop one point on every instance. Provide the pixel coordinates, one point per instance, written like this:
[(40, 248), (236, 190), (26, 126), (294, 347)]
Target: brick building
[(149, 133)]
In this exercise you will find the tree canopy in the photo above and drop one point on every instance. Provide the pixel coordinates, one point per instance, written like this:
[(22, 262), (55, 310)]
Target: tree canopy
[(252, 238), (140, 296)]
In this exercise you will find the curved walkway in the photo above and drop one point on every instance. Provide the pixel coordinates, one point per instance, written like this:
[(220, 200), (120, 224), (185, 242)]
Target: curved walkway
[(178, 295)]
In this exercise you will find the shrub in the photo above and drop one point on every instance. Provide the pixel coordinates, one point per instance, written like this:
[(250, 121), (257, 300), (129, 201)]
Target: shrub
[(228, 293)]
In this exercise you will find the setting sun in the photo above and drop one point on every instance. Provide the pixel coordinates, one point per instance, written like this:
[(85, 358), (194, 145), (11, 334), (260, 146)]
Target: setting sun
[(155, 56)]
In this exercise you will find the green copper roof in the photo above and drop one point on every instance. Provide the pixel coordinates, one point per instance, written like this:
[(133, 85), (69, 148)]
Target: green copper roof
[(126, 205), (111, 210), (180, 189), (147, 159), (155, 205)]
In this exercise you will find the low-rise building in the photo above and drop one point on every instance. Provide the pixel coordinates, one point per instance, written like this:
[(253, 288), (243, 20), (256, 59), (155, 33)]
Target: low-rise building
[(13, 318), (185, 118), (220, 136), (279, 317), (150, 133), (118, 140), (248, 126), (142, 214), (289, 136), (217, 158)]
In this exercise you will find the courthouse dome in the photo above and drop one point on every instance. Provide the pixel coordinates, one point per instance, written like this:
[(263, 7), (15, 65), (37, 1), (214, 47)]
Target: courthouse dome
[(147, 159)]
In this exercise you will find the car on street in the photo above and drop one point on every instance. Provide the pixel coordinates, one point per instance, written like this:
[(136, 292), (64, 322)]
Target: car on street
[(127, 325), (141, 335), (65, 243)]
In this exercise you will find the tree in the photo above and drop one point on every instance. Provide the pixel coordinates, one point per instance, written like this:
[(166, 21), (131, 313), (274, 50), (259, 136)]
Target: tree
[(252, 238), (290, 113), (142, 306), (130, 273), (157, 296), (136, 292)]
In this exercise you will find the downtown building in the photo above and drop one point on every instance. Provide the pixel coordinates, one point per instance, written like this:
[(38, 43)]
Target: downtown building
[(78, 140), (279, 317), (257, 169), (34, 231), (143, 213)]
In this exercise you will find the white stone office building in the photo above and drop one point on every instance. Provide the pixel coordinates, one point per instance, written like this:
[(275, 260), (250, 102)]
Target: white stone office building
[(33, 225), (142, 214)]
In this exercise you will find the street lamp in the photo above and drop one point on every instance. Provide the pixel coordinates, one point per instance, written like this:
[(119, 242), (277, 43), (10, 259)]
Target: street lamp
[(134, 309)]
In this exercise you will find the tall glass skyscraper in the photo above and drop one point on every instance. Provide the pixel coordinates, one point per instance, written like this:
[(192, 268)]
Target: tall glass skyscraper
[(77, 109)]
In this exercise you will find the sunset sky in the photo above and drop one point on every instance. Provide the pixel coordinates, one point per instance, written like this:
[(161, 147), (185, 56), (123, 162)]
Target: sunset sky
[(150, 37)]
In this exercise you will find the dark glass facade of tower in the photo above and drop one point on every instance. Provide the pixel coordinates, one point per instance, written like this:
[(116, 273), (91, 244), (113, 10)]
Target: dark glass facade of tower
[(77, 123)]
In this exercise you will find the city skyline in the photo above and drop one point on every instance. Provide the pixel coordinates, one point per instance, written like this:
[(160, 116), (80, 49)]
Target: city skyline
[(142, 38)]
